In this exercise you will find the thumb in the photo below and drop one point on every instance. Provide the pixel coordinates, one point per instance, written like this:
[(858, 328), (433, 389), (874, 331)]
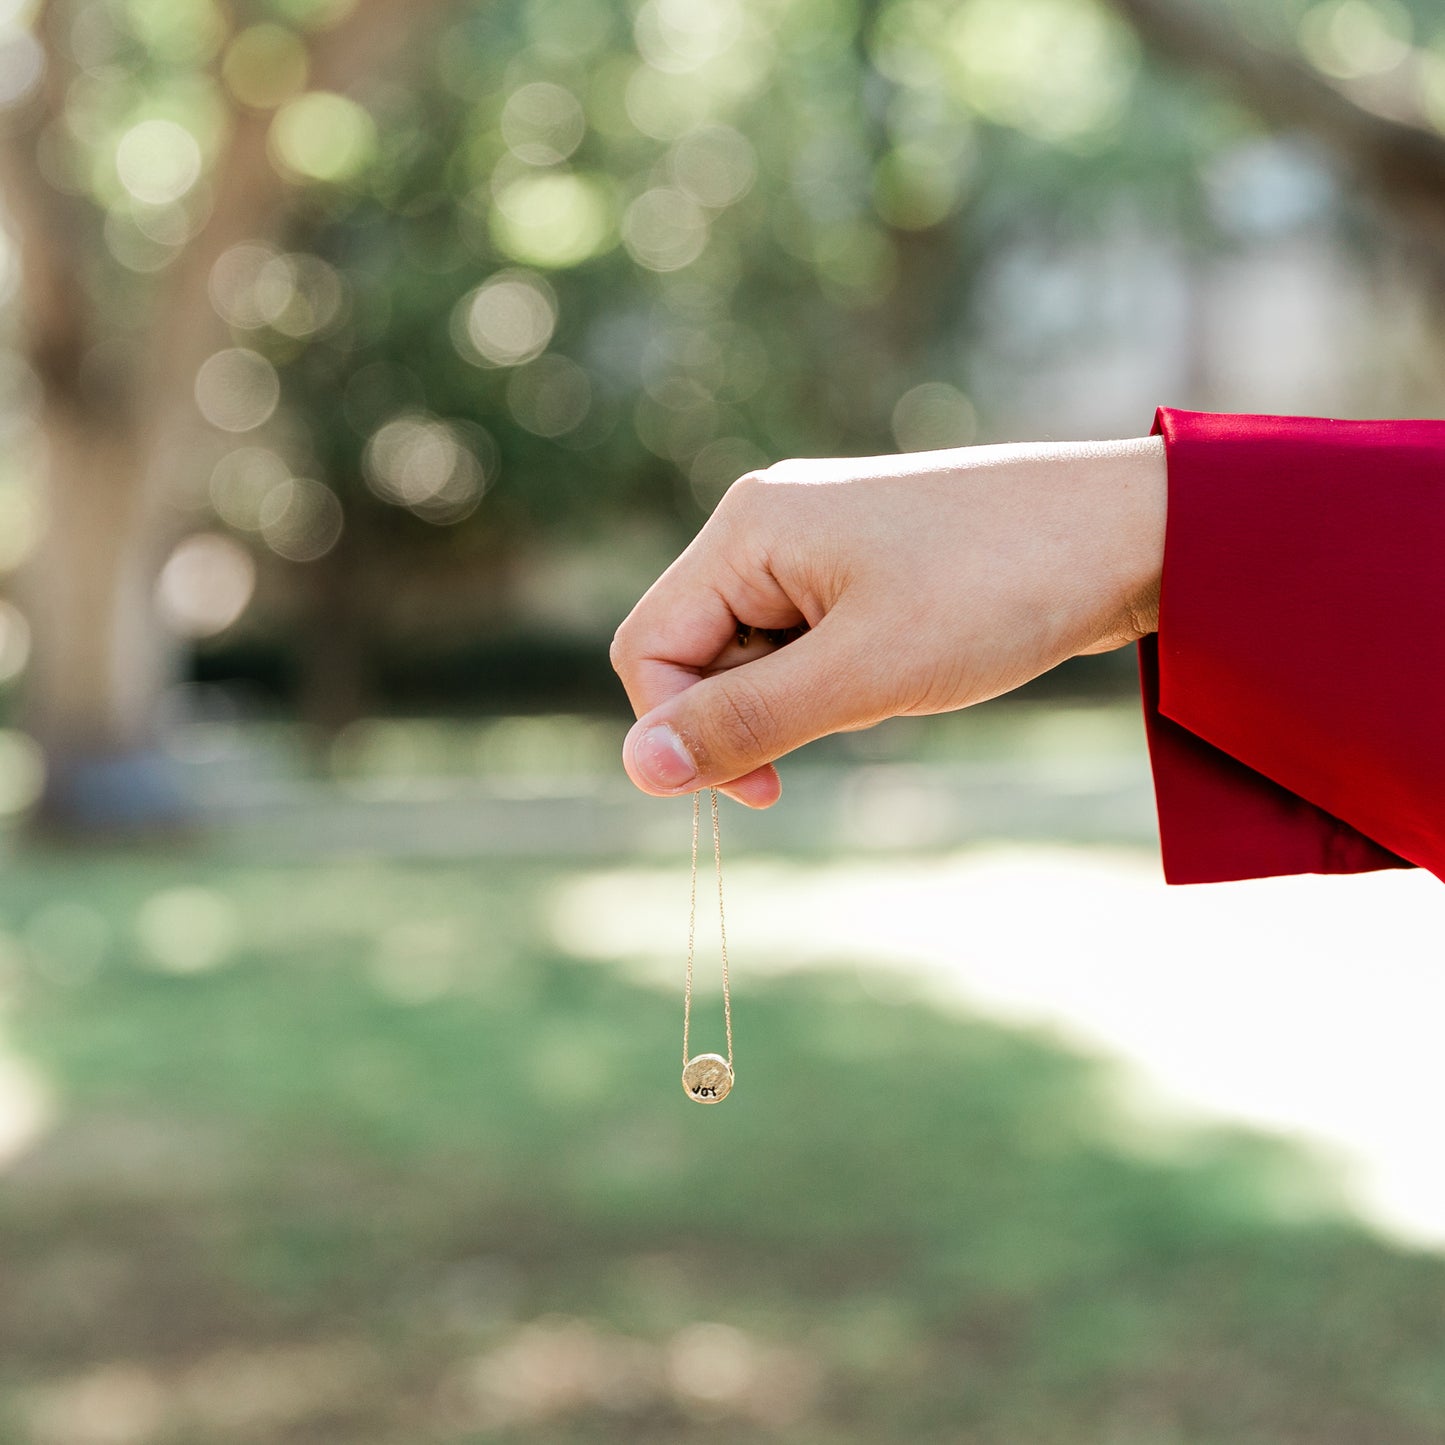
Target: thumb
[(727, 726)]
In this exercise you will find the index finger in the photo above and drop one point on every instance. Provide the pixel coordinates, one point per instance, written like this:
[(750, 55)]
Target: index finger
[(686, 623)]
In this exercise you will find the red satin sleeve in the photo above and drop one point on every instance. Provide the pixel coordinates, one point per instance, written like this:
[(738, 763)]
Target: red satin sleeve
[(1294, 695)]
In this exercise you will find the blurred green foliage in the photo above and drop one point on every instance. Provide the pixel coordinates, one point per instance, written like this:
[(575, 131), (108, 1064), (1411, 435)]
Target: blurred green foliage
[(725, 233), (719, 234), (541, 278)]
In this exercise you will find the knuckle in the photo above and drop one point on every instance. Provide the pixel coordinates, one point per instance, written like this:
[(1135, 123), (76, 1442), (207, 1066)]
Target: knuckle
[(747, 491), (619, 652)]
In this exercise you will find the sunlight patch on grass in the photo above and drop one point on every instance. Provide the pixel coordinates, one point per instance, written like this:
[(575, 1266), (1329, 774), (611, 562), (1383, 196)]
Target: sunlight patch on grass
[(557, 1367), (1308, 1006), (233, 1391)]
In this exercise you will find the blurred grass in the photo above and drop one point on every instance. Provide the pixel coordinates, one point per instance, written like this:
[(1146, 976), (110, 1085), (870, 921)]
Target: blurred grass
[(345, 1151)]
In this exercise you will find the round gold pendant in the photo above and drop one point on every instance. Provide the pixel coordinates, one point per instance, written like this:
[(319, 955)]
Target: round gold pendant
[(707, 1079)]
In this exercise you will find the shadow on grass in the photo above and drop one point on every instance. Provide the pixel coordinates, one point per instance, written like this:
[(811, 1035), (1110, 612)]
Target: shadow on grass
[(368, 1164)]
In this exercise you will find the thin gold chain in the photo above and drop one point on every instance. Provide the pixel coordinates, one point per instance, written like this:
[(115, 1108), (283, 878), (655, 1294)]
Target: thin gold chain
[(722, 928), (692, 927)]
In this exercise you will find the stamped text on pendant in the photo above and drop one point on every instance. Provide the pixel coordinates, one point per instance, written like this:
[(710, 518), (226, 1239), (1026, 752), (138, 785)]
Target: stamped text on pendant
[(707, 1079)]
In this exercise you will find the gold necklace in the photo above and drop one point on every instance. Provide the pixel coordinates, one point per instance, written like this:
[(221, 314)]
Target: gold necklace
[(708, 1078)]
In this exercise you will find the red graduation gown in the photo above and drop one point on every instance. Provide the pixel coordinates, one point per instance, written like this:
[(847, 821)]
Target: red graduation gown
[(1294, 694)]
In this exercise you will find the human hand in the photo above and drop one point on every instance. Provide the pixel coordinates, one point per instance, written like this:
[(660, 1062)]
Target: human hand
[(925, 582)]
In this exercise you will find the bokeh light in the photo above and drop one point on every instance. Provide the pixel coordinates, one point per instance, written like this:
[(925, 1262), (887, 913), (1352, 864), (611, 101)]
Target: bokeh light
[(676, 420), (158, 161), (22, 520), (169, 224), (553, 219), (719, 464), (321, 136), (313, 15), (240, 483), (22, 66), (265, 65), (298, 294), (9, 278), (712, 1365), (549, 396), (1058, 70), (14, 641), (682, 35), (301, 519), (664, 229), (915, 186), (188, 34), (22, 771), (932, 417), (542, 123), (423, 463), (1432, 87), (187, 930), (206, 584), (132, 247), (1348, 39), (856, 263), (507, 320), (237, 389), (716, 165), (232, 283), (664, 106)]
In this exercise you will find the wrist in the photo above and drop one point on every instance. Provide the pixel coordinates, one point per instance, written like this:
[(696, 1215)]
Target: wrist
[(1136, 476), (1148, 483)]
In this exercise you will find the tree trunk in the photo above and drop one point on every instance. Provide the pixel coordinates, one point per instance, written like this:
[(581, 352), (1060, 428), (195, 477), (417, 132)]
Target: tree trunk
[(336, 635), (101, 657)]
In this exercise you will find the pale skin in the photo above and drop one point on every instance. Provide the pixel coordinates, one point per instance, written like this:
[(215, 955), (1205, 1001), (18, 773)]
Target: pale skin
[(927, 582)]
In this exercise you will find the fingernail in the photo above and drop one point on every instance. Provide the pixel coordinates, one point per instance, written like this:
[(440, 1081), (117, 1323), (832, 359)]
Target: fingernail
[(661, 758)]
